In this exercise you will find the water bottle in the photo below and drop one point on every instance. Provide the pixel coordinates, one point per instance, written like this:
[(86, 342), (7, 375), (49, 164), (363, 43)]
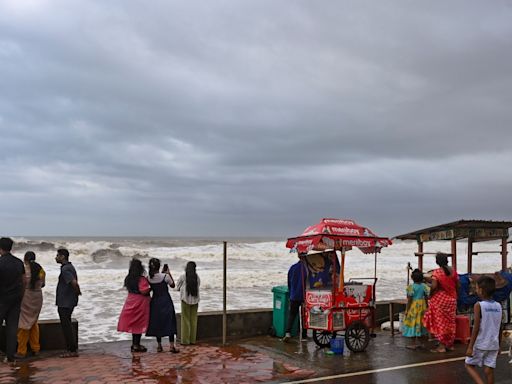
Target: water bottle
[(346, 351)]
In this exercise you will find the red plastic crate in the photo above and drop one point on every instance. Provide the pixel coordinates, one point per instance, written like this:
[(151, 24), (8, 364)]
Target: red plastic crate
[(462, 329)]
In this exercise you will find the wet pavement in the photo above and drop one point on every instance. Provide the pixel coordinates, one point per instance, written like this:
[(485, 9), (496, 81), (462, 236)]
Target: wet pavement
[(114, 363), (255, 360), (386, 360)]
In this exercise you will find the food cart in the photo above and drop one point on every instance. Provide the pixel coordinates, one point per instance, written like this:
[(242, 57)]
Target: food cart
[(332, 304)]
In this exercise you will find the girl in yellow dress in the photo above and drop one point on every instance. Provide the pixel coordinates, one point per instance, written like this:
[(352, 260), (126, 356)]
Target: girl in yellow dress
[(417, 294)]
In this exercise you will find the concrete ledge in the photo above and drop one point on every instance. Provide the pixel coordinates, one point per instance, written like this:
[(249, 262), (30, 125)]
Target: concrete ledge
[(50, 335), (382, 311), (256, 322), (240, 323)]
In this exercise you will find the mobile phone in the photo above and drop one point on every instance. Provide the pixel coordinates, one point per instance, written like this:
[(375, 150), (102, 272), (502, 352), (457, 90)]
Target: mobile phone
[(165, 268)]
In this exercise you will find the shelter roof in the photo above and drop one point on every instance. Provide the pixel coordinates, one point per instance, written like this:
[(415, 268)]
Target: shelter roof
[(478, 230)]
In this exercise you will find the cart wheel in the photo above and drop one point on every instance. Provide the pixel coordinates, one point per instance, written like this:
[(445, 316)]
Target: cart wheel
[(357, 337), (323, 338)]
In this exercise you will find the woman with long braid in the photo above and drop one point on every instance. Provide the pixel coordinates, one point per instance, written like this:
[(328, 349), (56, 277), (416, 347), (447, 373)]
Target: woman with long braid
[(188, 285), (28, 329), (439, 318)]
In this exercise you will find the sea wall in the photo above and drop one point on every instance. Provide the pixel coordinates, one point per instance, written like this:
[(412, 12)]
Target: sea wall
[(240, 324), (50, 335), (256, 322)]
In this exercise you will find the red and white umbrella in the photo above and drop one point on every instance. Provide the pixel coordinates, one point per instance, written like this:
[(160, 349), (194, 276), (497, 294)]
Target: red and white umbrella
[(337, 234)]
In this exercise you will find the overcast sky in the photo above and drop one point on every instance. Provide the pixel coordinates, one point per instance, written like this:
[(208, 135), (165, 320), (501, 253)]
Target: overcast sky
[(232, 118)]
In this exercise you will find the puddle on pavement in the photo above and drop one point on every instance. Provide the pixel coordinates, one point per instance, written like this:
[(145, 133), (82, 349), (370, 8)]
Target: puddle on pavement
[(203, 363)]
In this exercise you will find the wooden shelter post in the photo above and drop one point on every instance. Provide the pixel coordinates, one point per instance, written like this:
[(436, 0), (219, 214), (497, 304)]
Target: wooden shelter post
[(504, 253), (470, 255), (420, 255), (454, 254)]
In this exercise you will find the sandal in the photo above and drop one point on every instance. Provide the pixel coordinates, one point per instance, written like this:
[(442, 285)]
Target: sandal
[(174, 350), (138, 348), (68, 355)]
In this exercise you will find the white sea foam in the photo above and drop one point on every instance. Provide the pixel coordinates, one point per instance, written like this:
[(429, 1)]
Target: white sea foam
[(253, 269)]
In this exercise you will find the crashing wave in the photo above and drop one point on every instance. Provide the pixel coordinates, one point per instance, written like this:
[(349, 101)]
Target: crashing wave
[(41, 246), (110, 255)]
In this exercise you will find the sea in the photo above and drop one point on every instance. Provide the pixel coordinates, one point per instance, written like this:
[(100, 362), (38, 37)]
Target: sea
[(254, 266)]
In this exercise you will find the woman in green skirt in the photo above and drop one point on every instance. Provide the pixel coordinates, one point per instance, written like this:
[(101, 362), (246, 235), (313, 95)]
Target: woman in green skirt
[(188, 285)]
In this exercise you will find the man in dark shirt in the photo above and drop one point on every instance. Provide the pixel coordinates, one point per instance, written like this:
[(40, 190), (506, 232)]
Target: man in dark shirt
[(296, 278), (66, 300), (11, 294)]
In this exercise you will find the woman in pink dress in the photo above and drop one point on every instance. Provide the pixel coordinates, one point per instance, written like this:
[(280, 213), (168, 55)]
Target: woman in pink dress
[(134, 317), (439, 318)]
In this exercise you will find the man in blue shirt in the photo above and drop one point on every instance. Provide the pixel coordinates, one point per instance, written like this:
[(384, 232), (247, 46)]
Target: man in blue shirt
[(296, 278)]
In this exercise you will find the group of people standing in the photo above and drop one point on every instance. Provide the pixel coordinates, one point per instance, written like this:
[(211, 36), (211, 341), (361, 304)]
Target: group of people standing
[(21, 300), (432, 308), (438, 316), (149, 307)]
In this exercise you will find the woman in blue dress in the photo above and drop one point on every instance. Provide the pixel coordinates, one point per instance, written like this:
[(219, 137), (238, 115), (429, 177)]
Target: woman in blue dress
[(162, 317)]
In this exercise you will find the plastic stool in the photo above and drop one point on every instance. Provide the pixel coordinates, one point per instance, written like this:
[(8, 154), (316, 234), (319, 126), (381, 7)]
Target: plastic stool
[(462, 329)]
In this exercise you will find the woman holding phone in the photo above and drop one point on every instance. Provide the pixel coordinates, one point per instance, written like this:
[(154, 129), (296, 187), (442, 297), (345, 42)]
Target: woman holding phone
[(162, 317)]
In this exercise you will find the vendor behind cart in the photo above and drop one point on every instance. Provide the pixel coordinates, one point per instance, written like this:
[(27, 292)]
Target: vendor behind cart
[(320, 269), (296, 279)]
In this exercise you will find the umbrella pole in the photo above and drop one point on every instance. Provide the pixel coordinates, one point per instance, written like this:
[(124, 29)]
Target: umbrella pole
[(342, 271)]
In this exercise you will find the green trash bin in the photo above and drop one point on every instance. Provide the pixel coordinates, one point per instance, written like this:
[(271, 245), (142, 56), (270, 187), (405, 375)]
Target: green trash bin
[(281, 312)]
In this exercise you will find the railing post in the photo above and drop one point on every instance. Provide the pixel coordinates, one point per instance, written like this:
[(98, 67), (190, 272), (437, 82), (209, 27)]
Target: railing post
[(224, 295)]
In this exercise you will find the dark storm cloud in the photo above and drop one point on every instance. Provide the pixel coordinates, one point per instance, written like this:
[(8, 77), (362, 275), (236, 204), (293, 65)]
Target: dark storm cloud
[(254, 117)]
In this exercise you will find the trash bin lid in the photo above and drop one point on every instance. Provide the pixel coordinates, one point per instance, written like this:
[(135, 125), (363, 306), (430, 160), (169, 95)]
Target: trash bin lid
[(280, 289)]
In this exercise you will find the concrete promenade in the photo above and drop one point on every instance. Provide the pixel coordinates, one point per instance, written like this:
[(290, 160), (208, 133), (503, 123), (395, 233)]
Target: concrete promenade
[(254, 360)]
